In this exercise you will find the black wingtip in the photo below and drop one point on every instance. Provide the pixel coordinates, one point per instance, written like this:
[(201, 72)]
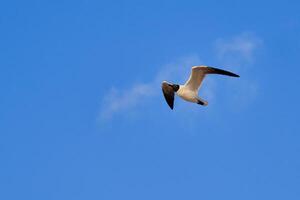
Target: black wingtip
[(229, 74), (171, 106), (224, 72)]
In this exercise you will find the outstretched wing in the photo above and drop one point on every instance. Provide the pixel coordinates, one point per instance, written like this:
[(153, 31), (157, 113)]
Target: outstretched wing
[(168, 94), (199, 72)]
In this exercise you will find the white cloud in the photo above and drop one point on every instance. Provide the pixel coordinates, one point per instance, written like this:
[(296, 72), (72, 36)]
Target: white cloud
[(120, 100), (238, 50)]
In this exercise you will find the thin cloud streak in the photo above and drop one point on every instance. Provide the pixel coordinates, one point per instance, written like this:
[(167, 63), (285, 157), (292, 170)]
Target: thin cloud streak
[(119, 100), (238, 50)]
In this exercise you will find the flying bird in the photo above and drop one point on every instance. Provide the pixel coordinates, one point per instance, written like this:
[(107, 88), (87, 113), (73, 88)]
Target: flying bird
[(189, 91)]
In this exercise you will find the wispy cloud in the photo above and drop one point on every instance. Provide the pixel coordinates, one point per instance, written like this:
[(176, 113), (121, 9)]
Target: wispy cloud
[(238, 50), (120, 100)]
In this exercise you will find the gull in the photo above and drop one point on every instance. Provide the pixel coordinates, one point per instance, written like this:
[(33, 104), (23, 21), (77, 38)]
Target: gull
[(189, 91)]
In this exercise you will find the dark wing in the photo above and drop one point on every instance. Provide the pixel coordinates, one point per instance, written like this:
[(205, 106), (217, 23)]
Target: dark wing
[(168, 94)]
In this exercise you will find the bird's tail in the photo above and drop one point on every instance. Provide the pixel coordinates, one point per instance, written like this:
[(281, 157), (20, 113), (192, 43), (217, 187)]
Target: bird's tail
[(202, 102)]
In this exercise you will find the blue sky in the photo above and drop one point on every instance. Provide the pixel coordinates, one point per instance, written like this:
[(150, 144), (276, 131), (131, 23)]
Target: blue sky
[(82, 114)]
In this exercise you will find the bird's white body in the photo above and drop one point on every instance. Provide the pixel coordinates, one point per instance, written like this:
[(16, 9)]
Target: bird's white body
[(189, 91), (187, 94)]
